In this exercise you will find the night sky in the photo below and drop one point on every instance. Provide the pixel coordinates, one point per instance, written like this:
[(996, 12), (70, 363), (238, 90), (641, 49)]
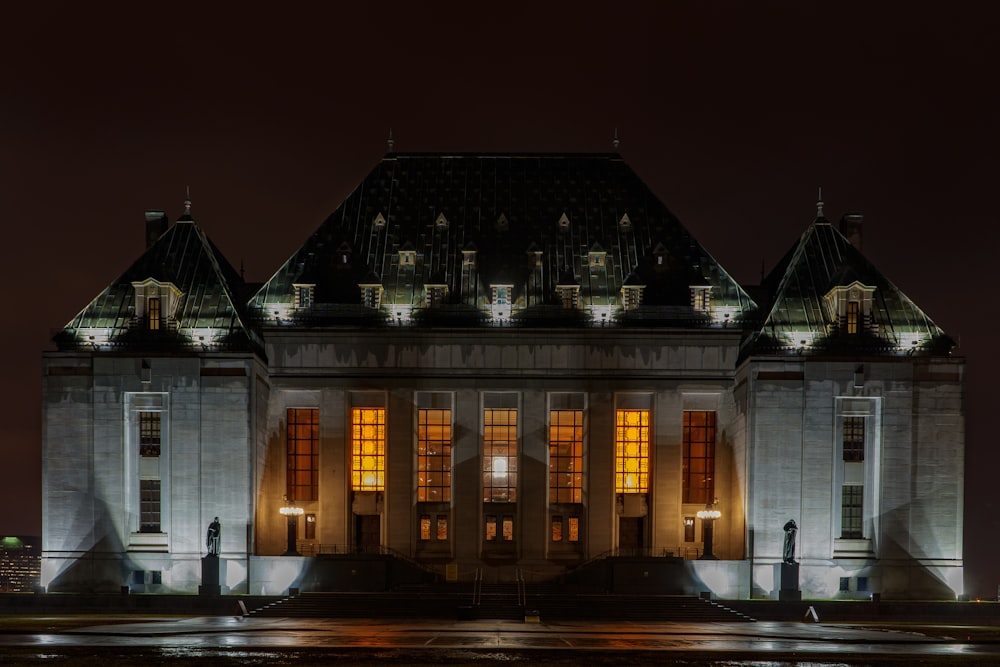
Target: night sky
[(733, 113)]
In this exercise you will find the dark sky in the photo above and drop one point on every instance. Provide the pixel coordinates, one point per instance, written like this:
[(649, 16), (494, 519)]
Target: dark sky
[(734, 113)]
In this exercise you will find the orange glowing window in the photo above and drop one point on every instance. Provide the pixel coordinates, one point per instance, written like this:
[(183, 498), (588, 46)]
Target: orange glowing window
[(434, 455), (368, 449), (699, 456), (631, 451), (566, 456), (153, 313), (853, 317), (499, 455), (302, 475)]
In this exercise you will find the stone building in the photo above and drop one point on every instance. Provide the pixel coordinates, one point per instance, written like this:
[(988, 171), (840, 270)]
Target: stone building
[(504, 366)]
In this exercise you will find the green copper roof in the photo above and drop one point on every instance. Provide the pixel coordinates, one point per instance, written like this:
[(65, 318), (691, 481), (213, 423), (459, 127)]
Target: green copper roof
[(206, 314), (466, 224), (803, 319)]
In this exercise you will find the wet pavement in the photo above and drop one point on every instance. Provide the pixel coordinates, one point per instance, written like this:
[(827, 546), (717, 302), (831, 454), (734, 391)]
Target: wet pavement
[(248, 640)]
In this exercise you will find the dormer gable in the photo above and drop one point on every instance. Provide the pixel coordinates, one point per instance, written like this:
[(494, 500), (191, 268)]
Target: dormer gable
[(849, 308), (156, 303)]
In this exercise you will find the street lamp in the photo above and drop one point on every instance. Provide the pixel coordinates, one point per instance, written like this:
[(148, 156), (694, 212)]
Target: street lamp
[(708, 517), (293, 513)]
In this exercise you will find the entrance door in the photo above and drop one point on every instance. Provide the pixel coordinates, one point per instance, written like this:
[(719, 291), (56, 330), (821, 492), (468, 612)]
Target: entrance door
[(367, 532), (630, 532)]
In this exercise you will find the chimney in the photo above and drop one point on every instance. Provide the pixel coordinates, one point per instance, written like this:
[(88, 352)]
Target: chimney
[(156, 226), (850, 227)]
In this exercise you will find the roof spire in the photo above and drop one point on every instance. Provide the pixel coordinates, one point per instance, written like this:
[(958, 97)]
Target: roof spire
[(390, 142), (615, 142), (819, 203), (187, 201)]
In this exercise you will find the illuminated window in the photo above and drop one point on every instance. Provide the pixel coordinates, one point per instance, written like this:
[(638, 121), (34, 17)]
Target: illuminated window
[(569, 295), (149, 434), (501, 294), (631, 451), (853, 315), (699, 456), (371, 295), (435, 294), (632, 296), (491, 527), (153, 313), (689, 529), (442, 526), (434, 455), (368, 449), (425, 526), (149, 472), (566, 456), (851, 505), (149, 505), (574, 529), (302, 477), (508, 528), (407, 257), (854, 438), (597, 259), (500, 455), (310, 526), (701, 299), (557, 529)]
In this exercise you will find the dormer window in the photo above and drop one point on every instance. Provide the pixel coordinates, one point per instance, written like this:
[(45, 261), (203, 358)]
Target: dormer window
[(502, 223), (597, 259), (371, 295), (661, 259), (625, 223), (563, 223), (849, 308), (435, 294), (569, 295), (501, 294), (379, 221), (441, 222), (701, 298), (632, 296), (303, 294), (407, 257), (155, 303), (468, 258)]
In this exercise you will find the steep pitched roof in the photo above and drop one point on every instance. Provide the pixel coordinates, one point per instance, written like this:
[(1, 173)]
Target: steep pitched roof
[(800, 317), (207, 312), (555, 210)]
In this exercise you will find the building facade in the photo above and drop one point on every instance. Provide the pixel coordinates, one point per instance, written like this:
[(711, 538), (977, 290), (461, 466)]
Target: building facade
[(500, 363)]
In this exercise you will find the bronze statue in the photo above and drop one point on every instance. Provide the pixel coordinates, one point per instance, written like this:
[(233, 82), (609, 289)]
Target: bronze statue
[(789, 550), (214, 538)]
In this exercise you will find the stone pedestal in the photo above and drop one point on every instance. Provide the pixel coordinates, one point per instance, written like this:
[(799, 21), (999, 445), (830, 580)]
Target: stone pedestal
[(788, 578), (211, 570)]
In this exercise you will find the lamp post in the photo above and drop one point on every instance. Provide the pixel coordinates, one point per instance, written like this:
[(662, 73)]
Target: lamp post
[(293, 513), (708, 517)]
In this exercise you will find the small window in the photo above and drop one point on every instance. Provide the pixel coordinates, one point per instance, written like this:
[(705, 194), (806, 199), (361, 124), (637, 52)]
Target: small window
[(689, 529), (701, 299), (854, 438), (863, 585), (442, 526), (502, 294), (441, 221), (379, 221), (310, 526), (574, 529), (508, 528), (304, 296), (597, 259), (491, 527), (407, 257), (632, 296), (845, 583), (138, 577), (156, 576), (468, 258), (371, 295), (563, 222), (425, 527), (852, 503), (557, 529)]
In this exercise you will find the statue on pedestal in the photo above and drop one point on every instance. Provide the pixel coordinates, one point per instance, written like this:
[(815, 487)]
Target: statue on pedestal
[(214, 538), (788, 554)]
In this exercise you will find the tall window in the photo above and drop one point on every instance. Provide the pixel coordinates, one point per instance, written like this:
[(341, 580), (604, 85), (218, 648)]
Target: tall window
[(368, 449), (854, 438), (699, 456), (434, 455), (153, 313), (853, 314), (631, 451), (566, 456), (500, 455), (302, 477), (851, 505), (149, 472)]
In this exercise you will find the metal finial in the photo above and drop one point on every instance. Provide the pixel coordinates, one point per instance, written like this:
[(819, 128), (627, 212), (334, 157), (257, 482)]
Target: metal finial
[(187, 200), (390, 142), (615, 142), (819, 204)]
